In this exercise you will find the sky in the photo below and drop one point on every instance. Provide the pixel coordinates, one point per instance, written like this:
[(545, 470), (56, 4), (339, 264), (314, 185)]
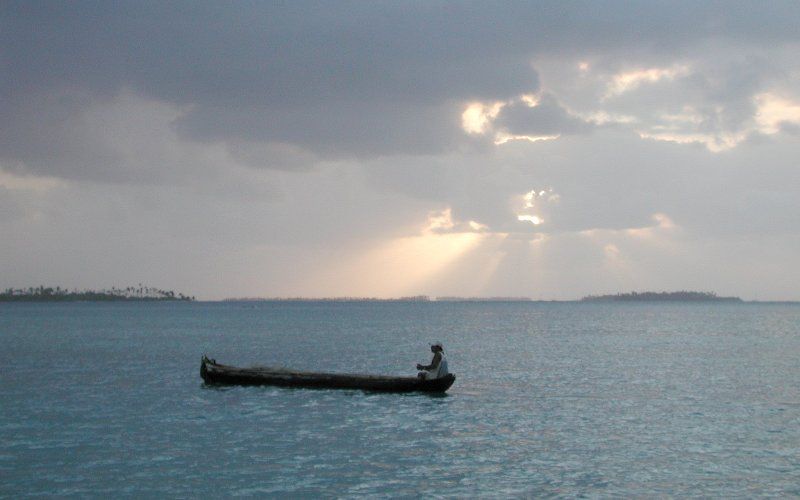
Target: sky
[(380, 149)]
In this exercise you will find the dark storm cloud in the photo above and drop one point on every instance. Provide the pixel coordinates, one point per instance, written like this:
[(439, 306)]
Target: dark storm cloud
[(299, 51), (334, 130), (344, 79), (548, 117)]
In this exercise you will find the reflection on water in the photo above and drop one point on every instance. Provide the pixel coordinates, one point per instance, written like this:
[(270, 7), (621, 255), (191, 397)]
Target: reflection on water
[(551, 399)]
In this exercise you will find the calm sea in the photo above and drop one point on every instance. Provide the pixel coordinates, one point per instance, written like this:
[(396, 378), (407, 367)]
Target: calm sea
[(551, 400)]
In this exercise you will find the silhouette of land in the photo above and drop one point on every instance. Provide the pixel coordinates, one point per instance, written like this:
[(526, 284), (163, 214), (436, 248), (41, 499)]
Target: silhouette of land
[(682, 296), (415, 298), (483, 299), (58, 294)]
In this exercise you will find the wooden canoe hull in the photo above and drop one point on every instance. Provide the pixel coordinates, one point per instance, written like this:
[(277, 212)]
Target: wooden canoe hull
[(217, 374)]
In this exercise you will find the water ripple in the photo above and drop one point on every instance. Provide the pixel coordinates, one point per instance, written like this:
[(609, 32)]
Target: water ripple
[(551, 401)]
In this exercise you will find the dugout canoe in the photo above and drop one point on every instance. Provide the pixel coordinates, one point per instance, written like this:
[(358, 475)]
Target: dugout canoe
[(214, 373)]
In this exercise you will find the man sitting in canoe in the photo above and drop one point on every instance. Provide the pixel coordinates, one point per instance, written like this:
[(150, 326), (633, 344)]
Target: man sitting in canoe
[(438, 366)]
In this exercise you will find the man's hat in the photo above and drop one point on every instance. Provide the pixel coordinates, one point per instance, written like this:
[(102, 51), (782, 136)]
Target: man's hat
[(438, 344)]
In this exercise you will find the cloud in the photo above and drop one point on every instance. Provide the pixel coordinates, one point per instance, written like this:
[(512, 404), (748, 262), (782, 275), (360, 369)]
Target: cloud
[(349, 81), (121, 138), (36, 184), (286, 148), (528, 117), (334, 130), (775, 113), (344, 81), (713, 97), (544, 117), (631, 80)]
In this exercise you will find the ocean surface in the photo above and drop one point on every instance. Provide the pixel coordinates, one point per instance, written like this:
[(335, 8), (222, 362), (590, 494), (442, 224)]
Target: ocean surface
[(560, 399)]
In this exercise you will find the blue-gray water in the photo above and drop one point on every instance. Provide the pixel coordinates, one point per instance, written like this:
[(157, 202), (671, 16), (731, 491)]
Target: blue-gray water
[(551, 399)]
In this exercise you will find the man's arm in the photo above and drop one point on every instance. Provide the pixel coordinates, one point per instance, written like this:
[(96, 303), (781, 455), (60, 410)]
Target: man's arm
[(437, 358)]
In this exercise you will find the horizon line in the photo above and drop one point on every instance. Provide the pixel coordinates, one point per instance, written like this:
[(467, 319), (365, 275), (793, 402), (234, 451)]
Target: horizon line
[(446, 298)]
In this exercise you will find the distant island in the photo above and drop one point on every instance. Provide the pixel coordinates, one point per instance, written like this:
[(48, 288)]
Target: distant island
[(484, 299), (681, 296), (58, 294), (415, 298)]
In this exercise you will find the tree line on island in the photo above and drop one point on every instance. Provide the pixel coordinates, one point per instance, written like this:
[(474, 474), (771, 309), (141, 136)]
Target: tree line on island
[(58, 294), (682, 296)]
